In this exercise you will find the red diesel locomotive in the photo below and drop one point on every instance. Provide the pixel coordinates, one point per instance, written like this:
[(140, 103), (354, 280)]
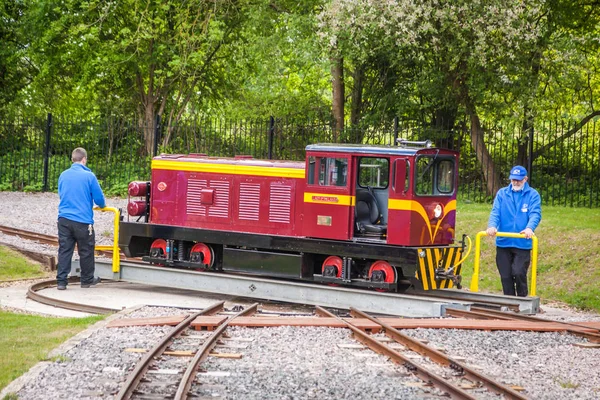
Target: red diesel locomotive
[(378, 217)]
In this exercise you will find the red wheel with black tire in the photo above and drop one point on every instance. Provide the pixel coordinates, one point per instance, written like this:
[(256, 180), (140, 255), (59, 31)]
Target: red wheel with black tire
[(202, 254), (382, 271), (335, 267), (158, 249)]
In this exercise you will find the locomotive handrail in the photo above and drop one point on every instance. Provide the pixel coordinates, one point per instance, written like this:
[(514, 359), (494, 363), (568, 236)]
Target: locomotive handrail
[(467, 253), (534, 255), (116, 258)]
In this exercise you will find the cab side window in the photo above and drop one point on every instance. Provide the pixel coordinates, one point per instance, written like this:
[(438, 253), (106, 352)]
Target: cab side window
[(329, 170), (312, 165)]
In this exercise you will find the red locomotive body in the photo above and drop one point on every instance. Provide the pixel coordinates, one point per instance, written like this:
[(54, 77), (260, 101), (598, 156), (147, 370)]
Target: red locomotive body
[(372, 216)]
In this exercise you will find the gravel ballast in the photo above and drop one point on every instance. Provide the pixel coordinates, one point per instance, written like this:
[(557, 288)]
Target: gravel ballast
[(297, 363)]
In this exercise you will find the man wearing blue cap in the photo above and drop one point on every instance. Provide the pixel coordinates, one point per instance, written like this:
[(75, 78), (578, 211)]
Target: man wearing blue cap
[(517, 209)]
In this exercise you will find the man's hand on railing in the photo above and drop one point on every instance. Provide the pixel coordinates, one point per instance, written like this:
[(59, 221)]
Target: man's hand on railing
[(527, 232)]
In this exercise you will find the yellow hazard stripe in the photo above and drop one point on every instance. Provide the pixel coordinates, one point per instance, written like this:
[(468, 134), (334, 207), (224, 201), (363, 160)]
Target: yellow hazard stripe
[(431, 268), (423, 277), (326, 198), (428, 264), (231, 169)]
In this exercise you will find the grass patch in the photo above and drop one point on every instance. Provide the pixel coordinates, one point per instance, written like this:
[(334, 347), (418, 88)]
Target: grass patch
[(27, 339), (13, 265), (569, 249)]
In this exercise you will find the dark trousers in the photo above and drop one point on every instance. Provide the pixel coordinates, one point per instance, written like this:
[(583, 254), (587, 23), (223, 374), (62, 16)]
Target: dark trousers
[(69, 233), (513, 264)]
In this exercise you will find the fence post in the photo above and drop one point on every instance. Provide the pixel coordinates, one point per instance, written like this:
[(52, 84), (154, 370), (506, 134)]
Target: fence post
[(156, 135), (395, 131), (47, 151), (271, 134)]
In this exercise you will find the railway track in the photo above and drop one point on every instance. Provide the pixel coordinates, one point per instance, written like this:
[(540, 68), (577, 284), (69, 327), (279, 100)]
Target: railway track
[(29, 235), (170, 368), (456, 370), (140, 384), (589, 332)]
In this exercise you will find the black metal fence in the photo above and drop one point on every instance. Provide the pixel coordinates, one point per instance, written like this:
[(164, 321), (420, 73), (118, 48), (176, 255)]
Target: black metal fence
[(564, 162)]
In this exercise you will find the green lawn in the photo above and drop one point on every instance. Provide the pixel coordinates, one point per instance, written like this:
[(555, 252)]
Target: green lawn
[(14, 266), (569, 250), (27, 339)]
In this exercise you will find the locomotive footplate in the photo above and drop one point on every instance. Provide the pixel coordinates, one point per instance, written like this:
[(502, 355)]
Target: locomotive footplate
[(357, 283)]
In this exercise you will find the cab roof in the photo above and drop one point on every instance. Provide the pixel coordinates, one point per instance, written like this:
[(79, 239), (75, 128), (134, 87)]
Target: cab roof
[(372, 149)]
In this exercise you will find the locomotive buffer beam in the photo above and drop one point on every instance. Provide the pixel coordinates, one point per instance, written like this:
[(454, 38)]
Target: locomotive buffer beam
[(280, 290)]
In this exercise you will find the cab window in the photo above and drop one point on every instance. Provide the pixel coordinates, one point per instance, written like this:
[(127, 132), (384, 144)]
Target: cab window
[(331, 171), (374, 172)]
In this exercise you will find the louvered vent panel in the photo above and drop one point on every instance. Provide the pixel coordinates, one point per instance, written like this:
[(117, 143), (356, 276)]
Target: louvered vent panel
[(280, 203), (249, 201), (193, 205), (220, 208)]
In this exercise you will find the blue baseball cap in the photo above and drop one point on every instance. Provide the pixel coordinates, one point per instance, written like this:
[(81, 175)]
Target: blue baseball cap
[(518, 173)]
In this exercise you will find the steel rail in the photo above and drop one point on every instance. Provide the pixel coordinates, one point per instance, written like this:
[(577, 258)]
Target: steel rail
[(144, 364), (571, 327), (429, 377), (441, 358), (575, 329), (532, 318), (484, 314), (203, 352), (40, 237), (32, 293)]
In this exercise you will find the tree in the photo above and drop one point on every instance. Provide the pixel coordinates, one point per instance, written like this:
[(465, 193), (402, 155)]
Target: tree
[(16, 69), (458, 49), (158, 55)]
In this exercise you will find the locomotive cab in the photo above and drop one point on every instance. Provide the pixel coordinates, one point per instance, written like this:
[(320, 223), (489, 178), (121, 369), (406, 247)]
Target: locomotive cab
[(402, 195)]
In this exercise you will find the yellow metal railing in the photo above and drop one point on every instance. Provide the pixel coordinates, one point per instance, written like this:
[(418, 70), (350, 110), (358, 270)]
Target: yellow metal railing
[(116, 258), (534, 255)]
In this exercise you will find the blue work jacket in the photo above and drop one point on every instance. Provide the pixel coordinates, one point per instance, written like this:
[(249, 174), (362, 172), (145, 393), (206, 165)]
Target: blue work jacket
[(78, 189), (515, 211)]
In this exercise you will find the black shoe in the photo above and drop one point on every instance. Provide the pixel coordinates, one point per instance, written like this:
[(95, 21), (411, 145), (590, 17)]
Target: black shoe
[(93, 283), (62, 287)]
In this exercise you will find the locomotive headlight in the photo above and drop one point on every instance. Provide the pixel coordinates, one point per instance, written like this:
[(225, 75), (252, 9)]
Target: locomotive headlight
[(437, 211)]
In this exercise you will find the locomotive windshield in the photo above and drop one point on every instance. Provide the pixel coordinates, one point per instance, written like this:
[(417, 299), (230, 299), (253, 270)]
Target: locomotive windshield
[(434, 176)]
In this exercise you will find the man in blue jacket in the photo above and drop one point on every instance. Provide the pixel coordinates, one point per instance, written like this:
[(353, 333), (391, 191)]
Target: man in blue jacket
[(517, 209), (78, 189)]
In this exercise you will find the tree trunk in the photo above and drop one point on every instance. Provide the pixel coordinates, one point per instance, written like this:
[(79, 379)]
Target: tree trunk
[(357, 91), (491, 174), (523, 142), (337, 85)]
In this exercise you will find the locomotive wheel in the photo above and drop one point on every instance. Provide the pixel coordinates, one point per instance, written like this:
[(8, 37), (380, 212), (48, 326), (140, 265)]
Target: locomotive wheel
[(202, 254), (330, 262), (159, 249), (383, 272)]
